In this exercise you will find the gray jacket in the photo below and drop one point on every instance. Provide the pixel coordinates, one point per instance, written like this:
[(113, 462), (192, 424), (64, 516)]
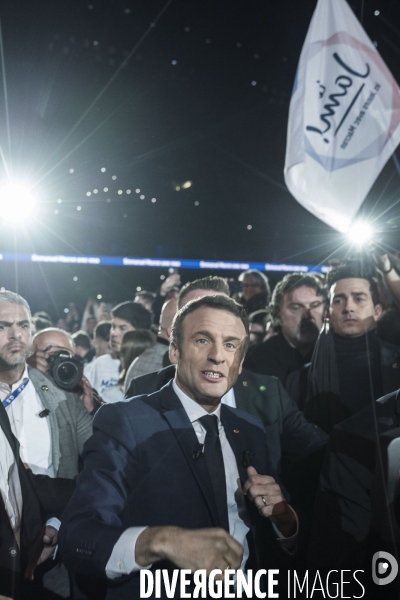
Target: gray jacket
[(70, 424)]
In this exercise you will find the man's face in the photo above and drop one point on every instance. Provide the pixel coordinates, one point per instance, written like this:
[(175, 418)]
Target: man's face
[(210, 358), (301, 316), (352, 311), (199, 294), (250, 287), (91, 324), (118, 329), (257, 333), (50, 342), (15, 334)]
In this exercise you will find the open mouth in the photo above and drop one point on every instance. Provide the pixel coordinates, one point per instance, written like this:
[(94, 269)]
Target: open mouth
[(213, 375)]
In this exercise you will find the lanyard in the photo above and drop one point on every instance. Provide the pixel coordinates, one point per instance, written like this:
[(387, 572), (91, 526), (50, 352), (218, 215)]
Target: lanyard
[(11, 397)]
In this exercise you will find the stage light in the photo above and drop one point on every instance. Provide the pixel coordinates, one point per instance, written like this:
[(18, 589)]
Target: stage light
[(16, 202), (360, 233)]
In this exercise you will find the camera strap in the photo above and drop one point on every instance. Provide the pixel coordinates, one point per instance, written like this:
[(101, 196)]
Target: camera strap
[(14, 395)]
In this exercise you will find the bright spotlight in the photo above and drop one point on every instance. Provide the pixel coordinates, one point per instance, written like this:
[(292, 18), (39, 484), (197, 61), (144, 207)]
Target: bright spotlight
[(16, 202), (360, 233)]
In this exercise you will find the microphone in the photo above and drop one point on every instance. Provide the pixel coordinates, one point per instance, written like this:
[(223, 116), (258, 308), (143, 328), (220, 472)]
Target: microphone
[(198, 451), (44, 413), (247, 459)]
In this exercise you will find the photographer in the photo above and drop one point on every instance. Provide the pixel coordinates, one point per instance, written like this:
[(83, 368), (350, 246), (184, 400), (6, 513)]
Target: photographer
[(47, 345)]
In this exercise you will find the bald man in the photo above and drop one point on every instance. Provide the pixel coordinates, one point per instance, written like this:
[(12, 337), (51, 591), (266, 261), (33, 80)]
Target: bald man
[(155, 358), (52, 340)]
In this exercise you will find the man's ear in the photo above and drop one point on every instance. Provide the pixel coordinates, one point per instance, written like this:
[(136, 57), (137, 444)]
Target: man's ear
[(173, 353), (378, 310)]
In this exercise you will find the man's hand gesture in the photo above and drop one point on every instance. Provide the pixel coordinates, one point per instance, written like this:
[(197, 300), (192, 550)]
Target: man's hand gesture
[(267, 496)]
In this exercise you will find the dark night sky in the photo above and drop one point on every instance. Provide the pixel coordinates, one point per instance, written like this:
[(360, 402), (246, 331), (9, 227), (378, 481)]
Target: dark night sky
[(216, 118)]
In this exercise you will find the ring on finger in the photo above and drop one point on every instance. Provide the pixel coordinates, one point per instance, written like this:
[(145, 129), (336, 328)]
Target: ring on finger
[(263, 499)]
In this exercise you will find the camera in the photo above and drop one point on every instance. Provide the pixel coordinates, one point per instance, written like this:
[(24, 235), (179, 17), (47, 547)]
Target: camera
[(66, 370)]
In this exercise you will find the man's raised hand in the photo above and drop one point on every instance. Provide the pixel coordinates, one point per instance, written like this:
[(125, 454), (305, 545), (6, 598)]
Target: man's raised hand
[(267, 496)]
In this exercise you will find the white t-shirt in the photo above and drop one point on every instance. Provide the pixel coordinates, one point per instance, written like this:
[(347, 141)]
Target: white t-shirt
[(104, 373)]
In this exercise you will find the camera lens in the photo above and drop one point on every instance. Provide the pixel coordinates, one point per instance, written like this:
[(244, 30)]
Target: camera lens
[(67, 372)]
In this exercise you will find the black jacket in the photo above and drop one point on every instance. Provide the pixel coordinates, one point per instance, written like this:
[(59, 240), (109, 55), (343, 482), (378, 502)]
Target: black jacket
[(315, 387), (288, 432), (43, 498), (350, 511), (275, 357)]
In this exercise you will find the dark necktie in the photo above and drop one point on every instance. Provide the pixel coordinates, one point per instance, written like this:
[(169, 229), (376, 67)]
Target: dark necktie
[(215, 465)]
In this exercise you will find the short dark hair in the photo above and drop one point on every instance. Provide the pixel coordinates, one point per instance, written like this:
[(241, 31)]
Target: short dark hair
[(133, 312), (150, 296), (82, 339), (288, 284), (212, 282), (260, 279), (102, 331), (215, 302), (40, 323), (356, 269), (260, 317), (41, 314)]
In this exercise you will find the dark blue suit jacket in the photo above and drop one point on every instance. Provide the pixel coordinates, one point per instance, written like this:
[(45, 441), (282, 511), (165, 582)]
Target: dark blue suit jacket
[(139, 471)]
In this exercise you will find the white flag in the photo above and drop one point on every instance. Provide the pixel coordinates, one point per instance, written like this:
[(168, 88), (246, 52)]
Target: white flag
[(344, 117)]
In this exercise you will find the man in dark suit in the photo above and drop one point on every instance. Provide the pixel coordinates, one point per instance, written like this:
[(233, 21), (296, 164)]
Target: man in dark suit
[(148, 495), (37, 498), (289, 434), (350, 363)]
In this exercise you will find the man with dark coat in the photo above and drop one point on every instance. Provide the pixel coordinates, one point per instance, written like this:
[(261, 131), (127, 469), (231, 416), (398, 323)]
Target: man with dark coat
[(289, 433), (25, 540), (297, 309), (357, 511), (259, 395), (350, 364), (161, 485)]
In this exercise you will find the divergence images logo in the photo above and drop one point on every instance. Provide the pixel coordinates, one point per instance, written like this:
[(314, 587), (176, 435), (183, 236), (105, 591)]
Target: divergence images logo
[(384, 568)]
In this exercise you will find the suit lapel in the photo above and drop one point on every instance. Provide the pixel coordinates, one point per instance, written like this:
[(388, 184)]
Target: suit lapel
[(181, 427), (50, 397), (245, 395), (6, 427)]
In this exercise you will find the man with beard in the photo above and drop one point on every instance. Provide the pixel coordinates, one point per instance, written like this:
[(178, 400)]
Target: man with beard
[(51, 427), (50, 424), (297, 311)]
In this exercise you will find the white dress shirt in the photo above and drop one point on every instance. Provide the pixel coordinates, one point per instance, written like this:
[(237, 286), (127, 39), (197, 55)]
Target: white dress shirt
[(32, 431), (122, 559)]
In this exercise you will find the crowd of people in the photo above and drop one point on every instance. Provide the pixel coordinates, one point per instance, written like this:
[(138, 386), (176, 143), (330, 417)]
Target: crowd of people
[(197, 428)]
